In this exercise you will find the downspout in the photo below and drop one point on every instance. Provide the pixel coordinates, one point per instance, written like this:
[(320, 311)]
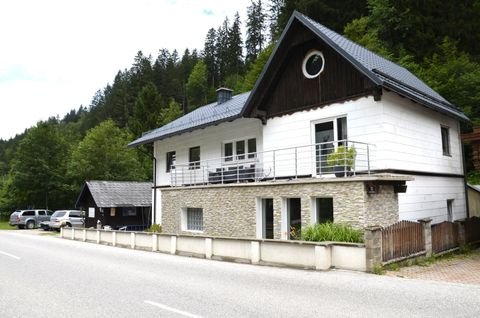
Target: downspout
[(154, 207), (465, 178), (154, 204)]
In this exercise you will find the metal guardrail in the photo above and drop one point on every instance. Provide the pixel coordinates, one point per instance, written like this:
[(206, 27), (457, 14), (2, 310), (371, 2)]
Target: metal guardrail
[(340, 158)]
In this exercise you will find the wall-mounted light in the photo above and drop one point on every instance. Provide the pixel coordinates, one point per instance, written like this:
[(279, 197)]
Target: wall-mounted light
[(371, 188)]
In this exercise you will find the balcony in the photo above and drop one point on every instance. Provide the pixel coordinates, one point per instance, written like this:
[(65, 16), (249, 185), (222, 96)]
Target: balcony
[(342, 158)]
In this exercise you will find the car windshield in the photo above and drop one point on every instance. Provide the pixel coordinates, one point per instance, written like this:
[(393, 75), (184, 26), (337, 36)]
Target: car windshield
[(59, 214)]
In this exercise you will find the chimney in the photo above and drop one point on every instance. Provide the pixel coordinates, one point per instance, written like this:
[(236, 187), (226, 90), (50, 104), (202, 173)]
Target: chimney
[(223, 94)]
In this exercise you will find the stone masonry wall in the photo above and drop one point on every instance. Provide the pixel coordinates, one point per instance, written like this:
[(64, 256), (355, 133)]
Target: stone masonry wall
[(381, 207), (230, 210)]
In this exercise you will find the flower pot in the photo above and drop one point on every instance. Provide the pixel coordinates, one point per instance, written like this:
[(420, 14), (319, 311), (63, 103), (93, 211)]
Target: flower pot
[(342, 171)]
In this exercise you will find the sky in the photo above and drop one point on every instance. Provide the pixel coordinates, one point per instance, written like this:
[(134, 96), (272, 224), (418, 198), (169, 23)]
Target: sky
[(55, 54)]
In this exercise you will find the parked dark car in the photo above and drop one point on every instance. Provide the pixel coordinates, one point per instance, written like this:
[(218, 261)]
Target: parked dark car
[(29, 219)]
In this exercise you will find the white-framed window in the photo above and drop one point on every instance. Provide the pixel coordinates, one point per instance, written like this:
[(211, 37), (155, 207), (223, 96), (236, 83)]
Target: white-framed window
[(239, 149), (445, 140), (192, 219), (194, 157), (322, 210), (171, 160), (313, 64)]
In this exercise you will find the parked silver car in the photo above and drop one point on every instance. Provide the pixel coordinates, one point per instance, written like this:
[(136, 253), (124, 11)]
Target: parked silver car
[(69, 218), (29, 219)]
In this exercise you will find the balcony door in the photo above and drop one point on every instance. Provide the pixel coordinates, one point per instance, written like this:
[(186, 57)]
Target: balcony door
[(327, 135)]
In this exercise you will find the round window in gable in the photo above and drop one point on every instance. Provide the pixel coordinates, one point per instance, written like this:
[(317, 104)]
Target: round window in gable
[(313, 64)]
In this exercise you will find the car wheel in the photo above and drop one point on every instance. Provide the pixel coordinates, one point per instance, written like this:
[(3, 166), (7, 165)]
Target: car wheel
[(69, 225), (30, 225)]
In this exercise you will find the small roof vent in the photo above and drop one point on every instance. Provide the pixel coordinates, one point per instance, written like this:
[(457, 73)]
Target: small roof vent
[(223, 94)]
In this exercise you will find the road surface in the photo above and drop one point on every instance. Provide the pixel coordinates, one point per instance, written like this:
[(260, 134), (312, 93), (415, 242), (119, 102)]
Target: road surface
[(45, 276)]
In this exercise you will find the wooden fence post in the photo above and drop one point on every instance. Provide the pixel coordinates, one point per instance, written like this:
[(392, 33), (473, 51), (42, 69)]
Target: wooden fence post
[(462, 240), (373, 244), (427, 234)]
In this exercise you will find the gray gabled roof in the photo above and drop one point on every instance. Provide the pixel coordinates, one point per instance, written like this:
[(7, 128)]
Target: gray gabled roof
[(107, 194), (379, 70), (390, 75), (201, 117)]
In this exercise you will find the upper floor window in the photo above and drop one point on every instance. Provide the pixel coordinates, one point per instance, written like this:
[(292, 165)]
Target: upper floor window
[(171, 159), (445, 141), (240, 149), (194, 157)]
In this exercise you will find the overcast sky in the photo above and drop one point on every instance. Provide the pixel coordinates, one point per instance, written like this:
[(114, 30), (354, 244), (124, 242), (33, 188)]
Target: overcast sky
[(55, 54)]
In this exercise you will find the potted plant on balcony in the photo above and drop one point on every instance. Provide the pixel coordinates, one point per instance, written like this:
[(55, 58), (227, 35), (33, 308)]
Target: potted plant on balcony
[(342, 160)]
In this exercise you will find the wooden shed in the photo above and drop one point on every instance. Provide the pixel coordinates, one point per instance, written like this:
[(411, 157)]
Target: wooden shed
[(118, 204)]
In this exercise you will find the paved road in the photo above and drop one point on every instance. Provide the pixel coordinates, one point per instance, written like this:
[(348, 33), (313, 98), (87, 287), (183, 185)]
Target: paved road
[(50, 277)]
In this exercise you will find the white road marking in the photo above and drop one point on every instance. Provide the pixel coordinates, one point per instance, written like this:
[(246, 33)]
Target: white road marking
[(180, 312), (9, 255)]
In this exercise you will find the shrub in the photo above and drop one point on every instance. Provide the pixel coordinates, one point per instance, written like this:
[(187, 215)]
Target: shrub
[(154, 228), (332, 232)]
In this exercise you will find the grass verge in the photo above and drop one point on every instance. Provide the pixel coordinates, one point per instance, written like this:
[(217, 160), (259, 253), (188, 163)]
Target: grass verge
[(5, 226)]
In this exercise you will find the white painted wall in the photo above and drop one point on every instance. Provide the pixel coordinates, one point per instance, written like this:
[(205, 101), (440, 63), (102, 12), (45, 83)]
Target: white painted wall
[(298, 130), (426, 197), (411, 138), (402, 135), (210, 140)]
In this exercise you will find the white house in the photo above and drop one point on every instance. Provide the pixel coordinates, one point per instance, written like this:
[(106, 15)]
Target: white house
[(260, 164)]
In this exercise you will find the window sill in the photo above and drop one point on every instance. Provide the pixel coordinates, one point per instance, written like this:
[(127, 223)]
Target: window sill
[(192, 231)]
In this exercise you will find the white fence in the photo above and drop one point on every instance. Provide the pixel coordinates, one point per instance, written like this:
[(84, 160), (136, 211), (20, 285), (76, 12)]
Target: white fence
[(310, 255)]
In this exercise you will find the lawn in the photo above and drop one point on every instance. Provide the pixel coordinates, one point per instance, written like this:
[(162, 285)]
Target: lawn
[(5, 226)]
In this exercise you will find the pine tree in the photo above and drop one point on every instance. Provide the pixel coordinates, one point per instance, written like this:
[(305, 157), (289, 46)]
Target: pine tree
[(234, 54), (209, 57), (256, 25), (274, 10), (221, 48)]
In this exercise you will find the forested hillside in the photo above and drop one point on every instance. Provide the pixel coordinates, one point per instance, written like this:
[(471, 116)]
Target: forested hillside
[(47, 164)]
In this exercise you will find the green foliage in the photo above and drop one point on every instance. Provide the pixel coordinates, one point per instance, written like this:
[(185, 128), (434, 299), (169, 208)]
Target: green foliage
[(172, 112), (103, 155), (333, 232), (360, 31), (378, 270), (256, 68), (146, 113), (342, 157), (197, 86), (418, 27), (38, 169), (333, 14), (455, 76), (154, 228), (473, 177), (5, 226), (256, 26)]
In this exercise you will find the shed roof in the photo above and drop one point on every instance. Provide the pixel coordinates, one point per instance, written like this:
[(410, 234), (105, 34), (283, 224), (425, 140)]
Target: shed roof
[(108, 194), (382, 72)]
